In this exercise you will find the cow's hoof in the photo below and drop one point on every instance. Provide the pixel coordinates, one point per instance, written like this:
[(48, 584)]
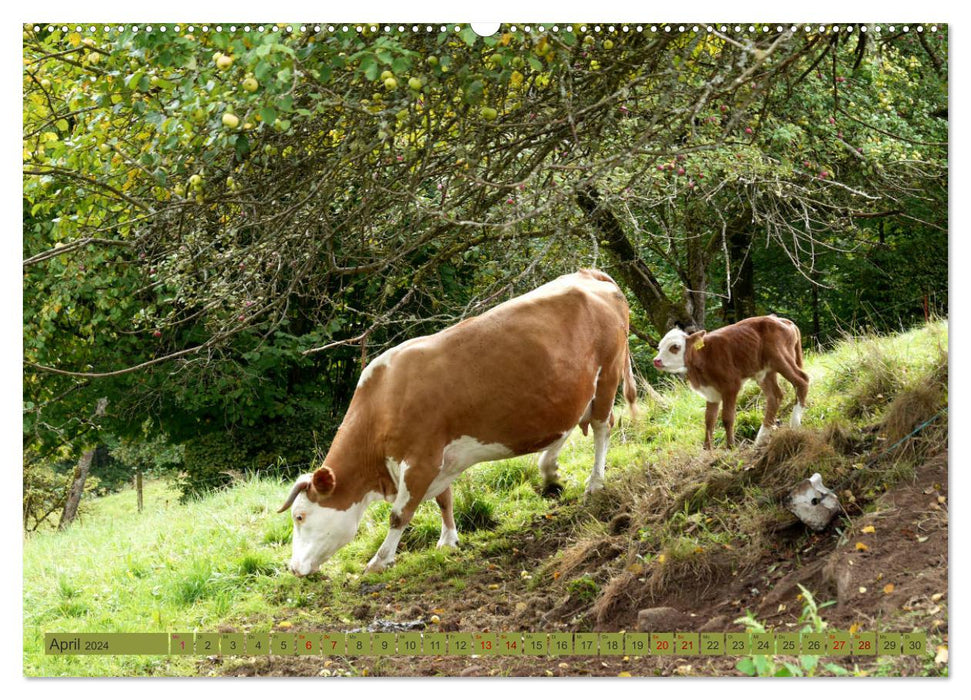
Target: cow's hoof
[(592, 489), (449, 539), (376, 567), (552, 490)]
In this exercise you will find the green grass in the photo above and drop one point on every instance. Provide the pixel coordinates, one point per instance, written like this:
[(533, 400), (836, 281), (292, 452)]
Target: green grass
[(221, 560)]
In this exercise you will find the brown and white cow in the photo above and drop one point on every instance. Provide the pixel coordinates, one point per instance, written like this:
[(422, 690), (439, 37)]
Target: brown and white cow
[(716, 365), (515, 380)]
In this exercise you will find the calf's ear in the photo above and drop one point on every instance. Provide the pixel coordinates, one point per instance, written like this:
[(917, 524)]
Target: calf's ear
[(695, 340), (323, 482)]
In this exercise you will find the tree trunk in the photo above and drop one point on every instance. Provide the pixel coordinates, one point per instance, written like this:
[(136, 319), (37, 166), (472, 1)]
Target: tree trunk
[(741, 292), (77, 488), (696, 294), (631, 268), (138, 488)]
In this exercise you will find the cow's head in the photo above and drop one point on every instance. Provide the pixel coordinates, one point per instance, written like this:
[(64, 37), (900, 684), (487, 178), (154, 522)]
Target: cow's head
[(319, 528), (670, 351)]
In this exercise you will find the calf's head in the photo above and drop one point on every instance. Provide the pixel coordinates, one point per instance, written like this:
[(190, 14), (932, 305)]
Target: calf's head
[(319, 527), (671, 349)]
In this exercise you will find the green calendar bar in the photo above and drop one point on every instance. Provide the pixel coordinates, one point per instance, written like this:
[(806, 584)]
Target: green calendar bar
[(612, 644), (384, 644), (915, 643), (687, 643), (535, 644), (738, 644), (586, 643), (484, 643), (788, 643), (864, 644), (561, 643), (814, 644), (833, 643), (182, 643), (713, 643), (117, 643), (409, 644), (358, 644), (207, 644), (763, 644), (434, 644), (308, 644), (890, 644), (639, 643), (280, 644), (258, 644), (839, 644), (460, 644), (662, 644), (232, 644)]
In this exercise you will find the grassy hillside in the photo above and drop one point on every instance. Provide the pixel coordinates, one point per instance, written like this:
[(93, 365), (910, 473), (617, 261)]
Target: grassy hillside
[(670, 512)]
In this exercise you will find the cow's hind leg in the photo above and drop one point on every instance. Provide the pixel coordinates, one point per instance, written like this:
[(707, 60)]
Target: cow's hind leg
[(412, 486), (601, 439), (450, 535), (548, 466), (601, 421), (773, 397)]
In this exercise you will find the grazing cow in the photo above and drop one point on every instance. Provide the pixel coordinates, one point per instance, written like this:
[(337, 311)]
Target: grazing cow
[(515, 380), (717, 363)]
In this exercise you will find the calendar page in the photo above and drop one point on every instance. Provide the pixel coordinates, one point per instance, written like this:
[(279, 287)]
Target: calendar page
[(527, 349)]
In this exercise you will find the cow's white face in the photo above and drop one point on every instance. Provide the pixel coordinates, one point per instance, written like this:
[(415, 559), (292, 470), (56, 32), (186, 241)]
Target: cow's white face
[(318, 532), (670, 352)]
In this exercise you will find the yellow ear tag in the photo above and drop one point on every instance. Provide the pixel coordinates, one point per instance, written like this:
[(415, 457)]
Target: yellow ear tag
[(699, 344)]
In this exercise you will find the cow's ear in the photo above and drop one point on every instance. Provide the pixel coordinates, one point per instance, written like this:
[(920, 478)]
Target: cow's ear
[(696, 340), (323, 482)]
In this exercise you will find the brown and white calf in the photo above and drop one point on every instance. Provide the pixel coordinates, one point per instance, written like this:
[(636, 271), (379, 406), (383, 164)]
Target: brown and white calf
[(515, 380), (716, 365)]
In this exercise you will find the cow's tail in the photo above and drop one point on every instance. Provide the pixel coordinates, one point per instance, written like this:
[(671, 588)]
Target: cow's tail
[(630, 386)]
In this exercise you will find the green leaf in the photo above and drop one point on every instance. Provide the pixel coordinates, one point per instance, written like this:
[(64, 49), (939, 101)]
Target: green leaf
[(242, 146), (468, 35), (746, 666), (370, 67), (268, 115)]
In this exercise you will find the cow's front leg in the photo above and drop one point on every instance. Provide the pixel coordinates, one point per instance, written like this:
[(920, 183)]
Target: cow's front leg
[(601, 437), (412, 486), (711, 415), (450, 535)]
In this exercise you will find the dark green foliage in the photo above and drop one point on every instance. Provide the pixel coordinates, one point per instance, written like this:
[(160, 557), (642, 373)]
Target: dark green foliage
[(420, 535), (474, 511), (284, 449)]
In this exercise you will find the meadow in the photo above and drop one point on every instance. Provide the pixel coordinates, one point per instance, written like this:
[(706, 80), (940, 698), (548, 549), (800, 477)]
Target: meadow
[(670, 511)]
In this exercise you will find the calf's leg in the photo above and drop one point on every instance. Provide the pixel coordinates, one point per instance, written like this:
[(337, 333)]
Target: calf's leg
[(711, 415), (728, 416), (450, 535), (773, 398), (800, 382)]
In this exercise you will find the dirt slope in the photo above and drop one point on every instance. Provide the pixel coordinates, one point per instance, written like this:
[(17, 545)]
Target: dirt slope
[(886, 571)]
